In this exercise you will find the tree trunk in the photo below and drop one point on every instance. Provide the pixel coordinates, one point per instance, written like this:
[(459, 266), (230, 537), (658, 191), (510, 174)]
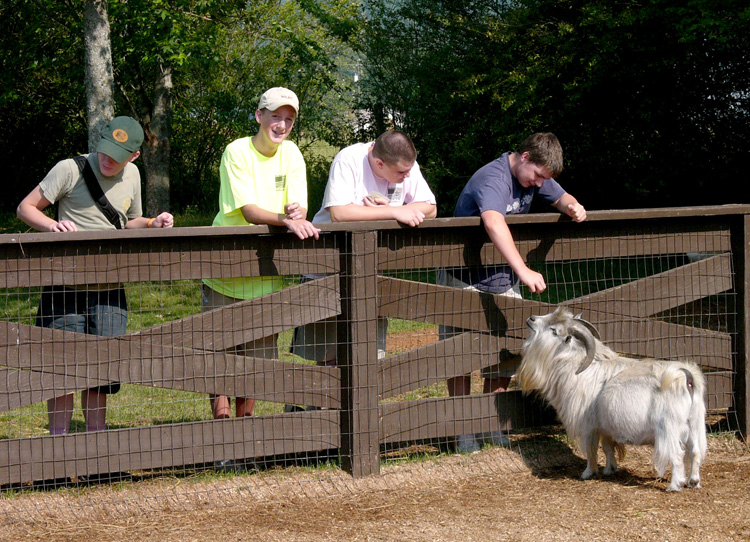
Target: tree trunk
[(156, 146), (99, 78)]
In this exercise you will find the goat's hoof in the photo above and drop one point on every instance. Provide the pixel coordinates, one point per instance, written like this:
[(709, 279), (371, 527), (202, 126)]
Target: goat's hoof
[(675, 487), (588, 474), (694, 484), (609, 471)]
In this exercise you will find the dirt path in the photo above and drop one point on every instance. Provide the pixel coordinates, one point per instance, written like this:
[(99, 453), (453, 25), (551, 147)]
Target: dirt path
[(460, 499)]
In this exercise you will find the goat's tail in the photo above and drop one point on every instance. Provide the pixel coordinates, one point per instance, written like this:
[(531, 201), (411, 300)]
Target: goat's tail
[(683, 376)]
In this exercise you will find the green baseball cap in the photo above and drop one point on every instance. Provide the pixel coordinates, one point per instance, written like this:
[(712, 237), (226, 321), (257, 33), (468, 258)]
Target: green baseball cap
[(120, 138)]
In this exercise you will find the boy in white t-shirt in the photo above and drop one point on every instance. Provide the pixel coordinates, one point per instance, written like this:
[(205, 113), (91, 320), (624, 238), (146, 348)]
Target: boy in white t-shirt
[(380, 180), (377, 181)]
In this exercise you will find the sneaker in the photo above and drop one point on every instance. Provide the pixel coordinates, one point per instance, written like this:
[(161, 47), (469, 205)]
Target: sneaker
[(235, 465), (225, 465), (297, 408), (494, 438), (466, 444)]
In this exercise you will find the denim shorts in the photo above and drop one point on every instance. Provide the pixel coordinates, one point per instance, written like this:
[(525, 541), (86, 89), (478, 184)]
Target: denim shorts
[(103, 313)]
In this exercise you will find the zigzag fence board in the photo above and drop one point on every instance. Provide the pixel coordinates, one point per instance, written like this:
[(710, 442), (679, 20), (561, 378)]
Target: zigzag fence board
[(666, 283)]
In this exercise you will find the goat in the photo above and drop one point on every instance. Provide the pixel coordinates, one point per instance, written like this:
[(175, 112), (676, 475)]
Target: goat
[(600, 395)]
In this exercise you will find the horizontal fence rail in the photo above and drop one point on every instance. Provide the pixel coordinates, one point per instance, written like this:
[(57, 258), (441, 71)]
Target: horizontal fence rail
[(663, 283)]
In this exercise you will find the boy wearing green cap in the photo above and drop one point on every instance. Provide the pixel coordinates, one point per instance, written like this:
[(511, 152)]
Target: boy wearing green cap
[(98, 309)]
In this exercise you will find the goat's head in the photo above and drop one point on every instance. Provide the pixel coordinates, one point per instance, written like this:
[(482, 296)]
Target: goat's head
[(558, 330)]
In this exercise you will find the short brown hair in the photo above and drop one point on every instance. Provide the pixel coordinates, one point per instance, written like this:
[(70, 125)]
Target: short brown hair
[(393, 146), (544, 150)]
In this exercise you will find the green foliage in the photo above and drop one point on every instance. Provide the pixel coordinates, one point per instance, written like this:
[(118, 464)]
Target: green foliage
[(650, 97), (41, 91), (222, 56)]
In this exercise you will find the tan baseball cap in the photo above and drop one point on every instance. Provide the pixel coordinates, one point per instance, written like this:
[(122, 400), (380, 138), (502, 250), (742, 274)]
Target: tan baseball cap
[(275, 97)]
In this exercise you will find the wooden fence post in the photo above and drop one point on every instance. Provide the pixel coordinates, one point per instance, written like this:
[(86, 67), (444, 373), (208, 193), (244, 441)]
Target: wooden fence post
[(358, 355), (741, 253)]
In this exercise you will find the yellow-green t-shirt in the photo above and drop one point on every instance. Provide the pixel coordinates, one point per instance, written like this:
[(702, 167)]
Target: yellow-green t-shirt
[(248, 177)]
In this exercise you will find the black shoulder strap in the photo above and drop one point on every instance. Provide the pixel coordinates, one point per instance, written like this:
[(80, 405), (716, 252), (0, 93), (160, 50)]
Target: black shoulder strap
[(96, 192)]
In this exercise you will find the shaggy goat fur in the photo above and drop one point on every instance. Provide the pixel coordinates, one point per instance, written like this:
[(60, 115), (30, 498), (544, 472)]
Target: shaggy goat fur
[(601, 396)]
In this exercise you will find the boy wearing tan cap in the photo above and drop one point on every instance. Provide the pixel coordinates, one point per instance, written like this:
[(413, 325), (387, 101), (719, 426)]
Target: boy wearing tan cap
[(263, 181), (91, 310)]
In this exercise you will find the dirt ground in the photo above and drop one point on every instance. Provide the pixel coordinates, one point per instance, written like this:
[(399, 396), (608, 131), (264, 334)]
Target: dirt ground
[(530, 492), (491, 495)]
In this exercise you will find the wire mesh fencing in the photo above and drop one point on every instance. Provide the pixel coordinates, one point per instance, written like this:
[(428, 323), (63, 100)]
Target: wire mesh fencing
[(213, 364)]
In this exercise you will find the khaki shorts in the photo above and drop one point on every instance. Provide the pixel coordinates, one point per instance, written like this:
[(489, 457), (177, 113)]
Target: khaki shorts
[(317, 341)]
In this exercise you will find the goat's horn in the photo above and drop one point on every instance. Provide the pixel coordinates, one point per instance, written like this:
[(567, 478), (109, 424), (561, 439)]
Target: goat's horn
[(591, 327), (585, 336)]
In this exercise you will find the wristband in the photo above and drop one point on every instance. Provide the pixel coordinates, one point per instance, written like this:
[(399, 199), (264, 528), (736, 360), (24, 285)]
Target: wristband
[(150, 220)]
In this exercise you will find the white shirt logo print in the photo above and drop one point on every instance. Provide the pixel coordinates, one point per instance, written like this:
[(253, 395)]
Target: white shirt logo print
[(515, 207), (396, 195)]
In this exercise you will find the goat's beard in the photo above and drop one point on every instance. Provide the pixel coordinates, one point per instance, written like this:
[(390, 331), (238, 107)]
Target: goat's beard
[(545, 360)]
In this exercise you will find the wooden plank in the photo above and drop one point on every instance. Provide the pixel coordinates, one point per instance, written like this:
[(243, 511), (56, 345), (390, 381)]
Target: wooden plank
[(719, 392), (153, 447), (133, 360), (449, 416), (400, 250), (663, 291), (136, 260), (464, 309), (24, 388), (507, 316), (201, 233), (435, 362), (252, 319), (357, 356), (741, 345), (656, 339)]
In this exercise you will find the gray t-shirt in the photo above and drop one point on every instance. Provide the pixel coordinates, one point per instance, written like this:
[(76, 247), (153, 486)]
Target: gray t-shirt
[(65, 185), (494, 188)]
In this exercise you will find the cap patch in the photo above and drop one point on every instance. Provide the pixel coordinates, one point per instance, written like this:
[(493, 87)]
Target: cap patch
[(120, 135)]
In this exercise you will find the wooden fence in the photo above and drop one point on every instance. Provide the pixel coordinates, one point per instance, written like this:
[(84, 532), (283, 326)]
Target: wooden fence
[(367, 270)]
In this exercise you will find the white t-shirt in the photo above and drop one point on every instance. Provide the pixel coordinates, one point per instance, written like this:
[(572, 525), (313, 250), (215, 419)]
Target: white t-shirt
[(351, 179)]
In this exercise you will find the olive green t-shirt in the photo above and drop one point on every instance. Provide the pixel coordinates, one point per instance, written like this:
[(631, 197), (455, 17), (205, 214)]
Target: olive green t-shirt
[(65, 185)]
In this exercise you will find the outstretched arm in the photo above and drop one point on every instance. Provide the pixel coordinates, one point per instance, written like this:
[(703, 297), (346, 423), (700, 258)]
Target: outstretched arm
[(497, 229)]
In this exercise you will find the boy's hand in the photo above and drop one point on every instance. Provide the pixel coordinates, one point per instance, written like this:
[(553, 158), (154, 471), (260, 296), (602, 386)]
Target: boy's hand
[(408, 215), (63, 226), (302, 228), (373, 199), (293, 211), (163, 220), (577, 212), (534, 280)]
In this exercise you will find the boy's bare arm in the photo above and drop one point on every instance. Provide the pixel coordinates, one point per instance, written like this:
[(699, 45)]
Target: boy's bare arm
[(30, 211), (302, 228), (568, 205), (497, 229), (411, 215)]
